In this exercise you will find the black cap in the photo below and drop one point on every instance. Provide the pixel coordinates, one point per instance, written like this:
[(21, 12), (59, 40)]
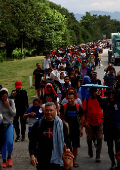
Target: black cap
[(110, 90), (93, 89)]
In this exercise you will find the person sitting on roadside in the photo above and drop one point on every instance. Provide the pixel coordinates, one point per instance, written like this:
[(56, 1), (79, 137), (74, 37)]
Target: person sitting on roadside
[(34, 113)]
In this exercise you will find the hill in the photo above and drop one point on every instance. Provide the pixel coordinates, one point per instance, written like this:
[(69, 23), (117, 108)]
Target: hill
[(114, 15)]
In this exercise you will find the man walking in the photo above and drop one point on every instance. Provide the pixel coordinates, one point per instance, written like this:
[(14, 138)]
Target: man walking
[(48, 136), (37, 77), (73, 114), (94, 122), (21, 104)]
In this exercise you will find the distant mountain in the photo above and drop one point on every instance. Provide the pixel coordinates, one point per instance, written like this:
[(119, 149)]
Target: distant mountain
[(114, 15)]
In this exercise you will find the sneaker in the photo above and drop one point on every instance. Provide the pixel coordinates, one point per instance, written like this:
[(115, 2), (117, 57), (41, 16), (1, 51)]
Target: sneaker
[(4, 164), (113, 166), (98, 160), (23, 139), (90, 152), (9, 162), (17, 139)]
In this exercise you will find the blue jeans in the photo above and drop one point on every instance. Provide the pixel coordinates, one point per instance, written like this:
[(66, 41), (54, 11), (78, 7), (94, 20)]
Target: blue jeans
[(8, 144)]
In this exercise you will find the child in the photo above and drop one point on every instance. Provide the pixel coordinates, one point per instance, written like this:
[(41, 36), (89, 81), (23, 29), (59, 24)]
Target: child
[(34, 113)]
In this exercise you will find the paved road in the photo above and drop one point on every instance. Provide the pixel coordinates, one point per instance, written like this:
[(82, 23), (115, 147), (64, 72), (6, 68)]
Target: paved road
[(21, 157)]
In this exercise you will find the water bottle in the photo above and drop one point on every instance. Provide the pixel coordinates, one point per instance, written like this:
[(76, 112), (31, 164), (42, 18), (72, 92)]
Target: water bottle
[(40, 110), (1, 118)]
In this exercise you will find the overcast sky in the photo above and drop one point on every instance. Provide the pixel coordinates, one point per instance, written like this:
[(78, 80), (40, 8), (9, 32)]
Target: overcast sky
[(81, 6)]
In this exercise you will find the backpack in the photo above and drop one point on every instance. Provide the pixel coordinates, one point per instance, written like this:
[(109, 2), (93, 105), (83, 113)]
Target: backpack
[(77, 107), (65, 107)]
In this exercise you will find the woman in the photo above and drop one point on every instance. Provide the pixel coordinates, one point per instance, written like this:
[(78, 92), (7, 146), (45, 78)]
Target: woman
[(49, 96), (8, 111)]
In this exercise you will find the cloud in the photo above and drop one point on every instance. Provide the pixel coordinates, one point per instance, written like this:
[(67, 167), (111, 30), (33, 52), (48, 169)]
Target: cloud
[(80, 6)]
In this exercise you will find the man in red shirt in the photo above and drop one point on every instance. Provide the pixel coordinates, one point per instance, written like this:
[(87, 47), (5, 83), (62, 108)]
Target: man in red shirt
[(94, 122)]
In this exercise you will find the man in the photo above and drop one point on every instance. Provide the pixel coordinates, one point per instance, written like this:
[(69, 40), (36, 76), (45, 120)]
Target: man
[(94, 122), (94, 79), (72, 113), (46, 62), (21, 104), (84, 69), (109, 78), (111, 108), (37, 77), (56, 62), (62, 64), (49, 136), (65, 86), (68, 68)]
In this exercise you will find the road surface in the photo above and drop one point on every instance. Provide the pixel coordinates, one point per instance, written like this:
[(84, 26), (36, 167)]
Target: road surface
[(20, 154)]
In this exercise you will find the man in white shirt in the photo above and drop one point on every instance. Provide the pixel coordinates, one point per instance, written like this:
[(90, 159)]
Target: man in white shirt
[(46, 63)]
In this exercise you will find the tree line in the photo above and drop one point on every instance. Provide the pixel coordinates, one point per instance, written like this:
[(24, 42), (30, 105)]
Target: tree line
[(39, 25)]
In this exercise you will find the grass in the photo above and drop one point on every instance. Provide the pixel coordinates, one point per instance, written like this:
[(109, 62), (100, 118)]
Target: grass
[(11, 71)]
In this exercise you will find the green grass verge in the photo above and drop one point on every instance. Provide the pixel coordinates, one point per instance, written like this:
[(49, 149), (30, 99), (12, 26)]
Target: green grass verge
[(11, 71)]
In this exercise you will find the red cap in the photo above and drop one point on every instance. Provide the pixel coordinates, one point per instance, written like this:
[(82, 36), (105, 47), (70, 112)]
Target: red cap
[(18, 84)]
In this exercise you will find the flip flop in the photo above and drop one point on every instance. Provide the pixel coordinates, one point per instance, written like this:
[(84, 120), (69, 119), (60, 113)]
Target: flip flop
[(75, 165)]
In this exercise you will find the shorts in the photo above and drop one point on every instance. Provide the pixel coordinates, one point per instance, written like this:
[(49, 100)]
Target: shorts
[(75, 138), (37, 86)]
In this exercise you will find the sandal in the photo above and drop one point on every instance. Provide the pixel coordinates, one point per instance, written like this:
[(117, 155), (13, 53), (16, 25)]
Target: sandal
[(75, 165)]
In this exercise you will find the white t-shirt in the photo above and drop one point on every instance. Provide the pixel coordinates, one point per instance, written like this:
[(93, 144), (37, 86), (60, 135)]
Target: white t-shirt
[(64, 65), (46, 63)]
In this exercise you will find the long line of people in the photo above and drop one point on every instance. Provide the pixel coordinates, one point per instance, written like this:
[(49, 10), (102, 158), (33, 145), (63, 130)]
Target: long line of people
[(63, 104)]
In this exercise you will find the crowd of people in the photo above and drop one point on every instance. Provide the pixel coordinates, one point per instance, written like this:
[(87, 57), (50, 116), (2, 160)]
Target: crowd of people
[(63, 107)]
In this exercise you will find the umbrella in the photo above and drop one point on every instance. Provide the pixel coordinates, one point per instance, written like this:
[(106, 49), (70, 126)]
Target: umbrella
[(83, 44), (94, 86)]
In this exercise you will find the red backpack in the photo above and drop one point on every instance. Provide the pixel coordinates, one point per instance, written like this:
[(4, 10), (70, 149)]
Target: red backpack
[(65, 107)]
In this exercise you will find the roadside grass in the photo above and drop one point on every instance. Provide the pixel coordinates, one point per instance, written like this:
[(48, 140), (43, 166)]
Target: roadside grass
[(11, 71)]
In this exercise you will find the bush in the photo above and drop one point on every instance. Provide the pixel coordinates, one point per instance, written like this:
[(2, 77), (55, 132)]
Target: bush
[(17, 53), (3, 54), (31, 53)]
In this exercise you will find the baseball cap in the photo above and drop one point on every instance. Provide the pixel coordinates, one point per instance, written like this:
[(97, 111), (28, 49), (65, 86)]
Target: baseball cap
[(18, 84)]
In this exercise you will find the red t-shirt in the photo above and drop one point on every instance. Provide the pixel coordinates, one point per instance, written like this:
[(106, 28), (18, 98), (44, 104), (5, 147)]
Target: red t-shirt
[(94, 114)]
